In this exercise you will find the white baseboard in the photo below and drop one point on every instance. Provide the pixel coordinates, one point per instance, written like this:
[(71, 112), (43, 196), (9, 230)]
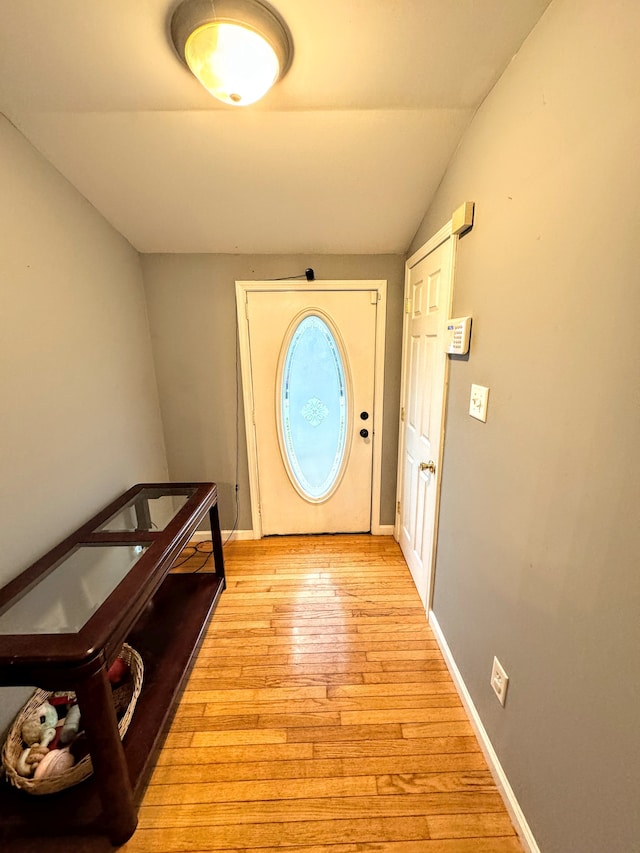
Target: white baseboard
[(203, 535), (513, 807), (237, 535), (382, 529)]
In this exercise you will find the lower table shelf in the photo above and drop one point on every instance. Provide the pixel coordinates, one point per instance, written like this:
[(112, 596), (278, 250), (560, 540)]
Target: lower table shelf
[(167, 636)]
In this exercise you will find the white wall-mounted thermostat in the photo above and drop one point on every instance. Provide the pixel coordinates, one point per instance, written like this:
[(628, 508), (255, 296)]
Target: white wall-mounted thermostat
[(458, 334)]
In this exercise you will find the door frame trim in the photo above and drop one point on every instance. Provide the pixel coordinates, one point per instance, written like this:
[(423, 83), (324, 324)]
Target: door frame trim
[(445, 233), (243, 288)]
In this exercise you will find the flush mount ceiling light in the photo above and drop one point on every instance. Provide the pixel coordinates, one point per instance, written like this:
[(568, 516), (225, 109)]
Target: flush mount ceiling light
[(237, 49)]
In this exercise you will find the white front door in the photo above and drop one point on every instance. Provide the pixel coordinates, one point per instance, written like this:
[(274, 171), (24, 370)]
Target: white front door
[(428, 300), (312, 378)]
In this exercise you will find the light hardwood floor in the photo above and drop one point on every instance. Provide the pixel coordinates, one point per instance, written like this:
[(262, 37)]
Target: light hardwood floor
[(320, 717)]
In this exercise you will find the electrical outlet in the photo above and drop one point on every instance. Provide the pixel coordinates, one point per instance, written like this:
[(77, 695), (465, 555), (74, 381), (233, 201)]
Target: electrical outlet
[(499, 681)]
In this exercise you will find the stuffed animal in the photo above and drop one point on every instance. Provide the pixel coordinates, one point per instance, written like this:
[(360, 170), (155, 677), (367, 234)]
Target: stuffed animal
[(38, 731), (54, 763), (30, 758), (44, 717), (118, 671), (71, 725)]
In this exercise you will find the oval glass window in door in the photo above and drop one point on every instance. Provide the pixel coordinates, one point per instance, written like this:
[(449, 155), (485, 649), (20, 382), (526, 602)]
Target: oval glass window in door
[(313, 413)]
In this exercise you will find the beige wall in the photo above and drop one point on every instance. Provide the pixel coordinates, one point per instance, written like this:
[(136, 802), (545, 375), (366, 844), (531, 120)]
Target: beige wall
[(191, 302), (539, 531), (80, 418)]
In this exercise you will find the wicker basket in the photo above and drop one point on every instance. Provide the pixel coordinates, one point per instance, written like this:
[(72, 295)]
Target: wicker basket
[(124, 697)]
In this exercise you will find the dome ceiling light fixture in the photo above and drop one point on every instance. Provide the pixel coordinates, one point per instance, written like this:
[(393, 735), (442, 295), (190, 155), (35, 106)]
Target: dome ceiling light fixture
[(237, 49)]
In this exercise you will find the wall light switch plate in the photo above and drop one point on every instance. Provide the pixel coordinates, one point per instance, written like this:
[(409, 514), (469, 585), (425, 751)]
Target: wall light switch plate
[(478, 402)]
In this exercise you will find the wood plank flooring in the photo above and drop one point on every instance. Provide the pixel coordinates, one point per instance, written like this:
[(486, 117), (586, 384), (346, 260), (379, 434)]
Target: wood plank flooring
[(320, 717)]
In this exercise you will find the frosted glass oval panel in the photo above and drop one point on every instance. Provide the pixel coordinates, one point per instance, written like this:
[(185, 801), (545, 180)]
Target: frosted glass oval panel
[(313, 409)]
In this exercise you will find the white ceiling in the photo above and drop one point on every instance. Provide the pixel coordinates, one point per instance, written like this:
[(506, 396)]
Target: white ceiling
[(342, 156)]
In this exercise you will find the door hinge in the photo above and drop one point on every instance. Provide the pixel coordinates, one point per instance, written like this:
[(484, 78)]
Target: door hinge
[(398, 508), (407, 306), (402, 414)]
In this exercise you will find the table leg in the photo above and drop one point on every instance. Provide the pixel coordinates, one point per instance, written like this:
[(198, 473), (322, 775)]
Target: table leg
[(143, 515), (107, 755), (216, 540)]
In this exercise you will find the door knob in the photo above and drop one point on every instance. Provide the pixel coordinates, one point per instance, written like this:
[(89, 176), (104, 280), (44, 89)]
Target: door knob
[(364, 433), (428, 466), (364, 415)]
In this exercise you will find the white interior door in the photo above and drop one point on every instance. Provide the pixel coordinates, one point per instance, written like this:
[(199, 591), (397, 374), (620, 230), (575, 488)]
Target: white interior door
[(312, 376), (428, 300)]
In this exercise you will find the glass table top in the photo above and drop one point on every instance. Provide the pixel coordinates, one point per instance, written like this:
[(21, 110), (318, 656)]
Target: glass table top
[(151, 509), (64, 600)]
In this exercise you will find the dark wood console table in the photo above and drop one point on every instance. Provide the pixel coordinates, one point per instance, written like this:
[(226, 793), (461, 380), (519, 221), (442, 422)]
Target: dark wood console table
[(63, 622)]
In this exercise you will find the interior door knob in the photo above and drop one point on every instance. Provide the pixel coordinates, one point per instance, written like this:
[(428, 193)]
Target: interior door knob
[(364, 433), (428, 466), (364, 415)]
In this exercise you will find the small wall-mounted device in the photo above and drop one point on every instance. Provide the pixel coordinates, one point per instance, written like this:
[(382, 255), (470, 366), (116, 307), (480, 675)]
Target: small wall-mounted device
[(462, 218), (458, 335)]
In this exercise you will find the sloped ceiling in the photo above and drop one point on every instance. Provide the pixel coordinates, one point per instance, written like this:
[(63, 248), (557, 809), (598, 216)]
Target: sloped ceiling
[(342, 156)]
